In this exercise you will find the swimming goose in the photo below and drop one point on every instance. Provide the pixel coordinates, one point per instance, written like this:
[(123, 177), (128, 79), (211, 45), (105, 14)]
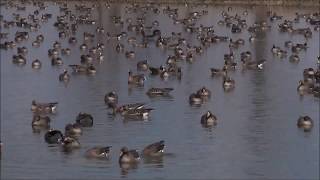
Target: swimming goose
[(136, 79), (142, 65), (305, 122), (56, 61), (73, 130), (86, 59), (288, 44), (275, 49), (36, 64), (204, 92), (111, 98), (316, 91), (294, 58), (43, 107), (152, 92), (53, 137), (130, 54), (304, 87), (128, 156), (66, 51), (218, 72), (228, 83), (142, 113), (70, 143), (253, 65), (88, 69), (127, 107), (154, 150), (308, 73), (156, 71), (22, 50), (98, 152), (64, 76), (43, 121), (195, 99), (208, 119), (19, 59), (246, 56), (84, 119)]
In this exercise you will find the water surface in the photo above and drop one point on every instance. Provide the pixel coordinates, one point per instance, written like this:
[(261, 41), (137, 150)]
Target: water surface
[(256, 136)]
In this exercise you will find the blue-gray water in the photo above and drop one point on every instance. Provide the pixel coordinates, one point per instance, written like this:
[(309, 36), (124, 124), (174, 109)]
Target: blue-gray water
[(256, 135)]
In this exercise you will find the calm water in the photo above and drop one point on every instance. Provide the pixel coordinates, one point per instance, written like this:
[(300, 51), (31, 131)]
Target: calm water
[(256, 136)]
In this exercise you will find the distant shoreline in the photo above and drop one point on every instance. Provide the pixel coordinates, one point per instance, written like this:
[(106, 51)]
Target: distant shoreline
[(299, 3), (230, 2)]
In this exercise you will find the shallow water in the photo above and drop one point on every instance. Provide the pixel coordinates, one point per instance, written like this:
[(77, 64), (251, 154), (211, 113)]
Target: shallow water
[(256, 136)]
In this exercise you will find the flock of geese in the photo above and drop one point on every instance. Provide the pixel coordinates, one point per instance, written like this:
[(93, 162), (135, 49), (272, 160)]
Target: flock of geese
[(67, 24)]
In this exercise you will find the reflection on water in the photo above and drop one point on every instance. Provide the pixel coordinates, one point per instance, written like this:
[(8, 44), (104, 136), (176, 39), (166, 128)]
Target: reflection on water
[(155, 161), (255, 136), (256, 142), (125, 168)]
